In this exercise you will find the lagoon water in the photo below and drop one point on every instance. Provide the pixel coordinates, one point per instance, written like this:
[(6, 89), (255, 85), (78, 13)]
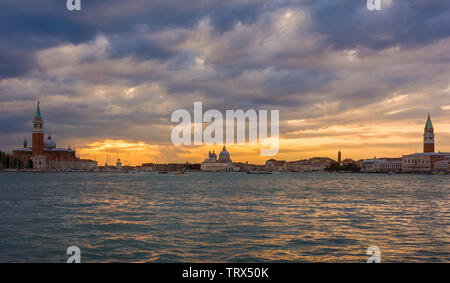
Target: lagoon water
[(224, 217)]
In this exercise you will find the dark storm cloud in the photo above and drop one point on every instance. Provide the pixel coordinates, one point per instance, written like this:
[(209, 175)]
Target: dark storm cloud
[(27, 26), (142, 49), (403, 22), (118, 64)]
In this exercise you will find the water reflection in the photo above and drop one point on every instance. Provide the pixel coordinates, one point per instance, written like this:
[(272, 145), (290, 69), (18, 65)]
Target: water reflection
[(224, 217)]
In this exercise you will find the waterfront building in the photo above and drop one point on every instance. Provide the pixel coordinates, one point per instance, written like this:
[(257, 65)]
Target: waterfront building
[(45, 155), (421, 162), (221, 164), (107, 168), (275, 165), (170, 167), (307, 165), (241, 166), (347, 161), (382, 165), (147, 166), (118, 165), (424, 162), (442, 166)]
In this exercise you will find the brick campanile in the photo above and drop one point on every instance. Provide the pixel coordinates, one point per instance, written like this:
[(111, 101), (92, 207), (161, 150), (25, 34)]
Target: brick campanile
[(428, 136), (38, 133)]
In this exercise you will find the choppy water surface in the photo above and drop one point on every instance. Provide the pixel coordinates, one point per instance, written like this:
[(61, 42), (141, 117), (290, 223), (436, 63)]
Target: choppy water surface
[(224, 217)]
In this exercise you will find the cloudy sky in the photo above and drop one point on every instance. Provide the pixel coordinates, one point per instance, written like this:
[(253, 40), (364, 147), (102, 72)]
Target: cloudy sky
[(110, 76)]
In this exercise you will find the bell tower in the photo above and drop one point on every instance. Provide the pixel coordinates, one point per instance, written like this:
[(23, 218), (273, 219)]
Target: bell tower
[(428, 136), (37, 147), (38, 133)]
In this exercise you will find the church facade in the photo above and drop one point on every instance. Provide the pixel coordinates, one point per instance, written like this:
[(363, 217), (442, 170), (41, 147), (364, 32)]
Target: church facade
[(44, 154), (221, 164)]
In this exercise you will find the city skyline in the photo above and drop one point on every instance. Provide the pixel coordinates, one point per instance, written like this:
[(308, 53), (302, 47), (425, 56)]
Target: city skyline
[(343, 77), (43, 141)]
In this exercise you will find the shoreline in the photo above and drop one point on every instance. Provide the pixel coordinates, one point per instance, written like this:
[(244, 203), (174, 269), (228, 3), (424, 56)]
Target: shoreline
[(174, 171)]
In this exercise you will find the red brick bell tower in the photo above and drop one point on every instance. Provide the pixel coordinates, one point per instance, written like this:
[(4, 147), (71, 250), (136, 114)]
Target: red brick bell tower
[(38, 133), (428, 136)]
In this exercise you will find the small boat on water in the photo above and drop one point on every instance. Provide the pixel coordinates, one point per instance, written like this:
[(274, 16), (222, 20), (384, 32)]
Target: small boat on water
[(163, 172), (259, 172), (182, 173)]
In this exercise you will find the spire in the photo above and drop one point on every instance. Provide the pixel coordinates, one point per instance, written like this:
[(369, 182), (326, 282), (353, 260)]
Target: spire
[(428, 125), (25, 144), (38, 112)]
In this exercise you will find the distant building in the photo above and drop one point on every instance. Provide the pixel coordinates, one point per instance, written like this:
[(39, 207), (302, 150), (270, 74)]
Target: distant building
[(45, 155), (347, 161), (147, 166), (307, 165), (107, 168), (442, 166), (275, 165), (421, 162), (240, 166), (339, 158), (425, 162), (118, 165), (382, 165), (222, 164), (255, 167), (169, 167)]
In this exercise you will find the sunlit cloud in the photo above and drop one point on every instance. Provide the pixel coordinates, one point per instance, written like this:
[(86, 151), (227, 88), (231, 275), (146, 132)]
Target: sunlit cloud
[(110, 85)]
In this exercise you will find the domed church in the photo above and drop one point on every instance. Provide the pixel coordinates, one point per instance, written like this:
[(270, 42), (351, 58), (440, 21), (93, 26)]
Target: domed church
[(223, 164), (49, 143), (45, 155), (224, 156)]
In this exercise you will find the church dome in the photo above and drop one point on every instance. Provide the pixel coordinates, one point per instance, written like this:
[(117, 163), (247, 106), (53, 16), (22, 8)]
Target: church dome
[(224, 156), (49, 143)]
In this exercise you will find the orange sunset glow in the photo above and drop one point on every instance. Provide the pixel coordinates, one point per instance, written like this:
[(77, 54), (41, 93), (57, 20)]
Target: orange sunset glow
[(380, 140)]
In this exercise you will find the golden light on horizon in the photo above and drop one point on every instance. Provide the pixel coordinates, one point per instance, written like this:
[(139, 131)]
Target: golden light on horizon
[(355, 140)]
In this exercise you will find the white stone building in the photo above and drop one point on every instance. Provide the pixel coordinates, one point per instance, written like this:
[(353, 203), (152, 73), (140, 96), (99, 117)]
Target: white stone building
[(222, 164), (382, 165)]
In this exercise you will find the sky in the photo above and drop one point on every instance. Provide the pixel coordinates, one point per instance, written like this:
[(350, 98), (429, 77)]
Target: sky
[(110, 76)]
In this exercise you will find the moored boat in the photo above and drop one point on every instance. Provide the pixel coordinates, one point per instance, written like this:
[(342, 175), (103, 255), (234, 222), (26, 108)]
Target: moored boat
[(259, 172)]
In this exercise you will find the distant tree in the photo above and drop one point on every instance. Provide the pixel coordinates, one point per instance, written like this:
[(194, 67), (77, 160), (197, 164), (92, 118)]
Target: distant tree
[(7, 161), (333, 167), (348, 167)]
